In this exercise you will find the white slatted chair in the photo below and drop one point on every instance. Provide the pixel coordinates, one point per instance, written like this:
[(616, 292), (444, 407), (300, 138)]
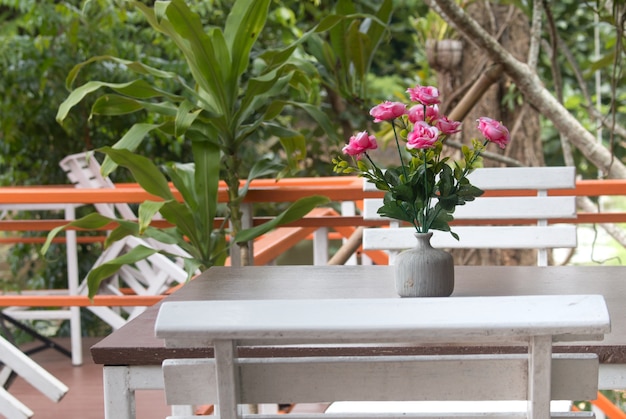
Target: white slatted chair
[(541, 207), (536, 376), (72, 314), (150, 277), (16, 361)]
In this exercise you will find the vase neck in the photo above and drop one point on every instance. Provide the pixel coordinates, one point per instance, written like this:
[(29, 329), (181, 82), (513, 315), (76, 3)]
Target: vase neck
[(423, 239)]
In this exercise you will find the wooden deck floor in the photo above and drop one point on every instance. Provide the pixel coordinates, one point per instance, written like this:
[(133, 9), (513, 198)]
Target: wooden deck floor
[(84, 400)]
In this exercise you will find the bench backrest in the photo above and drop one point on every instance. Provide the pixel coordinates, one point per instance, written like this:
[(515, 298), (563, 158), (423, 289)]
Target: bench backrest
[(293, 375), (514, 209)]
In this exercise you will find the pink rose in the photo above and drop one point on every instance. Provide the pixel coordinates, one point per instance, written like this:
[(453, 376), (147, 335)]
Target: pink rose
[(494, 131), (448, 127), (359, 144), (426, 95), (388, 110), (423, 136), (416, 113)]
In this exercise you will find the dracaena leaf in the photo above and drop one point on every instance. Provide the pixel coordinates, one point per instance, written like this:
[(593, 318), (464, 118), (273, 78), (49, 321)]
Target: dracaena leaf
[(294, 212)]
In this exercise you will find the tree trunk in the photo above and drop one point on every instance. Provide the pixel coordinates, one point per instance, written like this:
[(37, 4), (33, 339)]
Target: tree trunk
[(510, 27)]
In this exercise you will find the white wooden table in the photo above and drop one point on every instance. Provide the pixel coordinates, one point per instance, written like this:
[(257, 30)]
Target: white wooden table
[(132, 356)]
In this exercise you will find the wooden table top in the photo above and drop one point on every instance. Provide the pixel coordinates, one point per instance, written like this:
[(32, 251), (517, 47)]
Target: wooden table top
[(135, 343)]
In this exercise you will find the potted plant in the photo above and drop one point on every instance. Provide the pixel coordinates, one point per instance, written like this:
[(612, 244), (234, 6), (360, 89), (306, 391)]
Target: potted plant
[(228, 102), (426, 187)]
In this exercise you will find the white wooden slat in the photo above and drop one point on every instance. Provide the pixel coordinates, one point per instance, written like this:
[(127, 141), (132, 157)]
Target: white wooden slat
[(432, 320), (480, 406), (392, 415), (477, 237), (473, 377), (518, 178), (412, 415), (429, 415), (499, 208), (30, 371), (488, 178), (12, 408)]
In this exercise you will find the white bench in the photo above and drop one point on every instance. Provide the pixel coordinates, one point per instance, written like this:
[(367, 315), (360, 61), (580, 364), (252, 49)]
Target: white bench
[(540, 207), (537, 376)]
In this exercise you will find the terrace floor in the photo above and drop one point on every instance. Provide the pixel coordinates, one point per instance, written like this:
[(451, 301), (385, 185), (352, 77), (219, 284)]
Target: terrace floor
[(84, 400)]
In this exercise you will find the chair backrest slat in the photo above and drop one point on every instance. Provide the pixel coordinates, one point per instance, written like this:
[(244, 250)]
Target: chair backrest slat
[(509, 210)]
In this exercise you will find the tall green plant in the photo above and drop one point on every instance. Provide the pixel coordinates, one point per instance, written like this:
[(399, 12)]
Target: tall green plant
[(233, 101)]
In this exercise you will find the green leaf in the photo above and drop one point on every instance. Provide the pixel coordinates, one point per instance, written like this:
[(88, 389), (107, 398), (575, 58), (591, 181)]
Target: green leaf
[(439, 218), (263, 167), (243, 26), (294, 212), (130, 141), (119, 105), (109, 268), (207, 175), (357, 46), (292, 141), (185, 117), (182, 176), (138, 88), (185, 221), (143, 170), (206, 53), (321, 118), (259, 94), (89, 222), (115, 105), (377, 29), (147, 211), (394, 209), (328, 22), (135, 66)]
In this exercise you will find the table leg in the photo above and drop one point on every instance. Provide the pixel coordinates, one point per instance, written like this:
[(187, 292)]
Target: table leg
[(539, 376), (119, 397)]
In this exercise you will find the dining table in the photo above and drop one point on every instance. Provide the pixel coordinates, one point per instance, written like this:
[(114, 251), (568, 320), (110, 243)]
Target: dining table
[(132, 355)]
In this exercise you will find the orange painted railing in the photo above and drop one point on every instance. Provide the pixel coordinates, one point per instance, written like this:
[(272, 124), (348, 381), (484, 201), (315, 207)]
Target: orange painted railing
[(268, 190), (339, 188)]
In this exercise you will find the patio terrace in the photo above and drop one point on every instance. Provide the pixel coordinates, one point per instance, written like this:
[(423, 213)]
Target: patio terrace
[(85, 398)]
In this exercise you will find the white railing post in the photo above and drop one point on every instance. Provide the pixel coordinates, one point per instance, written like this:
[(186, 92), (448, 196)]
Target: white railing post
[(72, 285), (320, 246), (348, 209)]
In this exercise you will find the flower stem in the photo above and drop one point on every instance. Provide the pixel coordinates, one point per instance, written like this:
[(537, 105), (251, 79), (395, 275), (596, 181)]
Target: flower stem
[(427, 199), (395, 135)]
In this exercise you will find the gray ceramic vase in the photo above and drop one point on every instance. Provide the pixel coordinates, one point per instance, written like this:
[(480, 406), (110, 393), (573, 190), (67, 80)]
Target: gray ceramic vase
[(424, 271)]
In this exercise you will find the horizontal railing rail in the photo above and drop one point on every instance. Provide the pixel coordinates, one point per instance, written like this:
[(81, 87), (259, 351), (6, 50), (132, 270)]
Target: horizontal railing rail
[(337, 189)]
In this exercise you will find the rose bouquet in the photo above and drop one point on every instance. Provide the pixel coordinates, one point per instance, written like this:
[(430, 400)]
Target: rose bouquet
[(426, 187)]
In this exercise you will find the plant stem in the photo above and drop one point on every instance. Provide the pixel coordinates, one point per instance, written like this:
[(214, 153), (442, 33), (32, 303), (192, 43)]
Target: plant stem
[(426, 196), (395, 135), (404, 173), (232, 164)]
